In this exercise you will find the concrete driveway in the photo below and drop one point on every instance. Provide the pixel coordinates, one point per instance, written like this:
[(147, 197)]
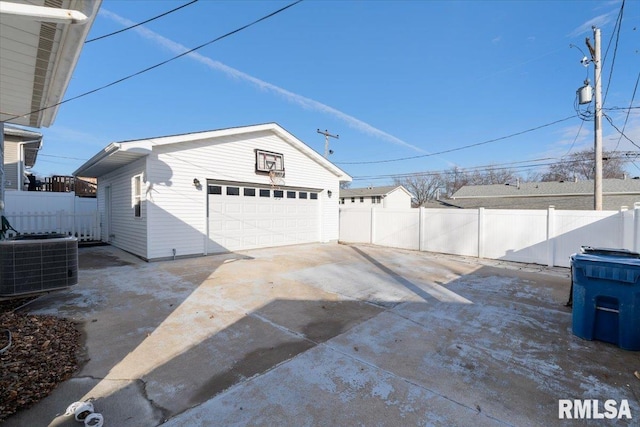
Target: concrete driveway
[(328, 334)]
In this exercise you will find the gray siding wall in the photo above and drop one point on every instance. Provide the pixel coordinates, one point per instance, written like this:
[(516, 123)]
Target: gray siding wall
[(11, 160), (127, 232)]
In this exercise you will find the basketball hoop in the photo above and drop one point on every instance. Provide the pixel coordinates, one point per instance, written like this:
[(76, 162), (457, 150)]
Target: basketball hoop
[(276, 178)]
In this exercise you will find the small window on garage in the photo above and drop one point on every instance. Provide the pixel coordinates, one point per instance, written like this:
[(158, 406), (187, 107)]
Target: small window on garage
[(250, 192), (215, 189), (137, 196), (265, 193), (353, 200), (303, 195), (233, 191), (314, 196), (278, 194), (291, 194), (361, 199)]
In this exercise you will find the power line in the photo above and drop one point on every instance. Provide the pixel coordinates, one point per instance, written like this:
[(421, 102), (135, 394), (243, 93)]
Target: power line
[(618, 26), (620, 131), (626, 119), (529, 164), (141, 23), (621, 108), (61, 157), (458, 148), (163, 62)]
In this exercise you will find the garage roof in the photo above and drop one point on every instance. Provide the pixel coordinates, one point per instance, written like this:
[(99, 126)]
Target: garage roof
[(119, 154), (40, 44)]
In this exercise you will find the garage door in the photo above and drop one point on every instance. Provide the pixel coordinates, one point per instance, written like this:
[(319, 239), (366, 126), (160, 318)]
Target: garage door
[(248, 217)]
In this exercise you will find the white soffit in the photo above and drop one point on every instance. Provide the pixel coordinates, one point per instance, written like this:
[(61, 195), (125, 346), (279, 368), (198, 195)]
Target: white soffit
[(39, 49)]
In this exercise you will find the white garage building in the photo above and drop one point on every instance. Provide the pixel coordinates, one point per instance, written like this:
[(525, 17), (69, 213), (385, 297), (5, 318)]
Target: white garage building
[(216, 191)]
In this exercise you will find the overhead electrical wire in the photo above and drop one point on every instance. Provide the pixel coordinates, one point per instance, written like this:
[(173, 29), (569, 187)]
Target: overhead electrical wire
[(626, 119), (457, 148), (574, 140), (141, 23), (501, 166), (620, 131), (237, 30), (616, 29)]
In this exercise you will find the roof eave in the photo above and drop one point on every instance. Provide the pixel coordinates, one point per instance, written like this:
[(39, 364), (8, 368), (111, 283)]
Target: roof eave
[(66, 60)]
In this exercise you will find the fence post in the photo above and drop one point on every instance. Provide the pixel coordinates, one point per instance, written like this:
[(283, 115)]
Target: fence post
[(551, 234), (373, 226), (626, 227), (636, 227), (421, 228), (480, 232)]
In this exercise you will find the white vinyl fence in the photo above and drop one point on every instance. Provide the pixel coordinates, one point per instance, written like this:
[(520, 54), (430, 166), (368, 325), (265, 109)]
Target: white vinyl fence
[(547, 237), (42, 201), (39, 212), (85, 226)]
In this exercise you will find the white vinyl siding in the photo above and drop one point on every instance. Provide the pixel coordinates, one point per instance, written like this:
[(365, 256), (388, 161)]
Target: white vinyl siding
[(177, 210), (127, 232), (397, 199)]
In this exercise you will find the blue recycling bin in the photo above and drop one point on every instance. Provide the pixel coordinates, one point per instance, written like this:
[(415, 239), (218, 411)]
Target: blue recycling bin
[(606, 296)]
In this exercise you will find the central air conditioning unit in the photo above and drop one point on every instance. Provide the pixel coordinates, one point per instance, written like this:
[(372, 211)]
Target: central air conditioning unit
[(31, 264)]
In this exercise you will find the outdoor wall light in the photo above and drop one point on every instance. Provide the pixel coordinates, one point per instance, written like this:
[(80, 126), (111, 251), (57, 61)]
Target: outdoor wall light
[(329, 193), (196, 182)]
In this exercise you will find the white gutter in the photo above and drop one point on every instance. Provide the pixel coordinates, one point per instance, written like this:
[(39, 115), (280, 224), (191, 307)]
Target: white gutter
[(108, 151), (143, 147), (43, 13)]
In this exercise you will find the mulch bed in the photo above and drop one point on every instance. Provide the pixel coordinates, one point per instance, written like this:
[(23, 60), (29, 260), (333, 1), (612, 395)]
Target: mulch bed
[(41, 353)]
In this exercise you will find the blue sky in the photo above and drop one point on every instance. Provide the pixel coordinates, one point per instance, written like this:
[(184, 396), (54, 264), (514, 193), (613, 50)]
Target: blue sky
[(394, 79)]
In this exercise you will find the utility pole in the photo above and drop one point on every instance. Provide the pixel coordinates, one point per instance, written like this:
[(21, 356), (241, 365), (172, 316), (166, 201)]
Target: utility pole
[(326, 141), (597, 127)]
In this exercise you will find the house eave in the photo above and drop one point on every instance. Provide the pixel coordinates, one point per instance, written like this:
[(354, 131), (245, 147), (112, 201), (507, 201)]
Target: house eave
[(31, 94), (114, 156)]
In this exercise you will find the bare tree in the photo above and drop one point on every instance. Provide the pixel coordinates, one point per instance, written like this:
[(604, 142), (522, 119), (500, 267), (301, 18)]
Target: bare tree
[(455, 178), (344, 185), (423, 186), (580, 166)]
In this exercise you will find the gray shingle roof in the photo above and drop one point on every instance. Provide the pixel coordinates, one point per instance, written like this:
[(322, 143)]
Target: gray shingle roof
[(583, 202), (538, 189), (367, 191)]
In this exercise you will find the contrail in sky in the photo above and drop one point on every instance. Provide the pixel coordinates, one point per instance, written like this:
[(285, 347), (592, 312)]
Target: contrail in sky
[(289, 96)]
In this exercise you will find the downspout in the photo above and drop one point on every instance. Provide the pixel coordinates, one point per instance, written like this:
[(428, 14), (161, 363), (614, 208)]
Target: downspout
[(21, 166)]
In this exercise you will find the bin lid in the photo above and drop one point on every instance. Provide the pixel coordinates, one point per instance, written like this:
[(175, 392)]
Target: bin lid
[(609, 252), (608, 255)]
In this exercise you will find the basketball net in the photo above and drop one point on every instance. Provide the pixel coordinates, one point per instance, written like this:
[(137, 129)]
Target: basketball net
[(276, 178)]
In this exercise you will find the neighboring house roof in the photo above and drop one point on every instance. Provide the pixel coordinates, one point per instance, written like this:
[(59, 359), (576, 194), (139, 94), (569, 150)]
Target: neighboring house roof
[(118, 154), (39, 48), (32, 142), (609, 203), (556, 188), (541, 195), (372, 191)]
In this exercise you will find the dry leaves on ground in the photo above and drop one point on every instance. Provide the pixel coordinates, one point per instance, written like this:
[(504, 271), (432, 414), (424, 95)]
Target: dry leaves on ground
[(42, 354)]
